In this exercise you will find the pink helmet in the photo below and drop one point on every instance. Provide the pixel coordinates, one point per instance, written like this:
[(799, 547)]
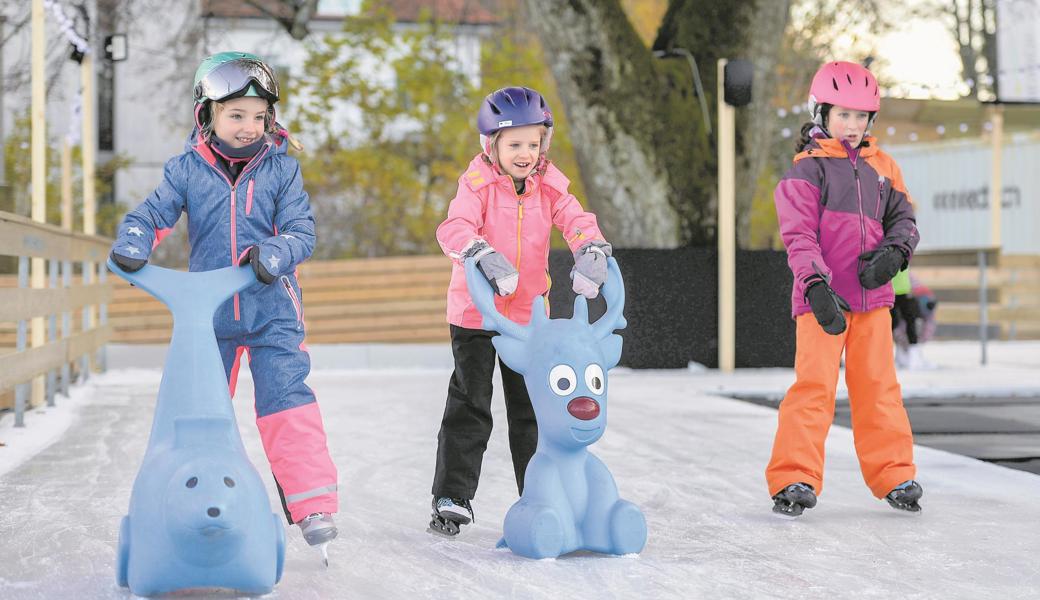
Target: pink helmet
[(844, 84)]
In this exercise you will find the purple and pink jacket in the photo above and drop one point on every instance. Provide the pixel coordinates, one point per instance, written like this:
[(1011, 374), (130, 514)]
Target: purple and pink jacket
[(487, 207), (836, 203)]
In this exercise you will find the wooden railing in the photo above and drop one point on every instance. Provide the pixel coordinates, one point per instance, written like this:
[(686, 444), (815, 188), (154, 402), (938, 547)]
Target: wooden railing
[(36, 372), (1012, 298), (1013, 290), (396, 299)]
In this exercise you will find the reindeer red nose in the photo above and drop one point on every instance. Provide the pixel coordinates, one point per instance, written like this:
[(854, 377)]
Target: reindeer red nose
[(583, 408)]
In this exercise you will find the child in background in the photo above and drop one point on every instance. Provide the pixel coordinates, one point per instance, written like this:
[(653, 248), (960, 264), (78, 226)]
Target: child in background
[(508, 200), (246, 204), (913, 320), (848, 225)]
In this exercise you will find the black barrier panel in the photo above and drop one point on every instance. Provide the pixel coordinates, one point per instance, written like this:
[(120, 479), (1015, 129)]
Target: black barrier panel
[(671, 307)]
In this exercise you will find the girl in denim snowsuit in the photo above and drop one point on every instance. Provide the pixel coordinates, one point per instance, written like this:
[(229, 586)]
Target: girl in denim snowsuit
[(245, 202)]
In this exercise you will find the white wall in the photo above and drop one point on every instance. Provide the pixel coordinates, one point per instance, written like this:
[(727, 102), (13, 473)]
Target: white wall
[(150, 141), (949, 182)]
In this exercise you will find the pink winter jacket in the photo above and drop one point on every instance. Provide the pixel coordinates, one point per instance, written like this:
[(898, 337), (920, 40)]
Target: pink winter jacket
[(486, 206)]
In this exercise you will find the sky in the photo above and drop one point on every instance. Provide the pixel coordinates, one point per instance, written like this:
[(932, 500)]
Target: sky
[(921, 58)]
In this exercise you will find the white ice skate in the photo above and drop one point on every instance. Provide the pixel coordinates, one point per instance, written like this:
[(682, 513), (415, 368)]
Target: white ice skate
[(318, 530)]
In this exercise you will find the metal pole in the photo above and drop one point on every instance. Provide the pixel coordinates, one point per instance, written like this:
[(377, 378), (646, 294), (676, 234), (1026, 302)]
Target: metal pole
[(983, 305), (89, 146), (726, 227), (52, 331), (66, 325), (66, 184), (21, 390), (88, 278), (3, 173), (996, 186), (102, 353), (89, 199), (39, 172), (66, 265)]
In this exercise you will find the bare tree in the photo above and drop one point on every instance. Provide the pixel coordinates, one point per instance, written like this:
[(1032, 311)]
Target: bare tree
[(974, 26)]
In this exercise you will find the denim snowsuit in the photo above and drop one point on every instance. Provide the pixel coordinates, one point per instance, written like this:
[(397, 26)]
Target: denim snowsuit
[(267, 207)]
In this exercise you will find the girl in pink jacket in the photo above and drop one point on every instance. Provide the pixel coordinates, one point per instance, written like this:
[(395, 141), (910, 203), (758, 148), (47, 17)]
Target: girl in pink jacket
[(508, 200)]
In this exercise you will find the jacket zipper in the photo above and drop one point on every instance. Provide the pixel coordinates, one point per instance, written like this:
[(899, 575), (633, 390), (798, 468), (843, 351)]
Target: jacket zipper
[(880, 196), (519, 224), (862, 231), (234, 237), (297, 305)]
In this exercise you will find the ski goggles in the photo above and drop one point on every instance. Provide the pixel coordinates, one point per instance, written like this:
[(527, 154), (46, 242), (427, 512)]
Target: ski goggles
[(234, 77)]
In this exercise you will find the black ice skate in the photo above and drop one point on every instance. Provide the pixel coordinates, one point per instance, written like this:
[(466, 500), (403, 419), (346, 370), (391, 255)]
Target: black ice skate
[(449, 514), (791, 501), (905, 496)]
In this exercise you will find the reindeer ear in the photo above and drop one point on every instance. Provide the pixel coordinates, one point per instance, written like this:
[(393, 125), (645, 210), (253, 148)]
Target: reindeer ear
[(581, 310), (512, 351), (610, 346), (538, 310)]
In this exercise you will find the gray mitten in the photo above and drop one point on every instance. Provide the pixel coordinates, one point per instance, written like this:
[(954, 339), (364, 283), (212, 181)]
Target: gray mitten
[(499, 272), (590, 268)]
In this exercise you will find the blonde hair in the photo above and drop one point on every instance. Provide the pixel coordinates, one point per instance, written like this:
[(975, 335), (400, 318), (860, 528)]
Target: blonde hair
[(491, 154)]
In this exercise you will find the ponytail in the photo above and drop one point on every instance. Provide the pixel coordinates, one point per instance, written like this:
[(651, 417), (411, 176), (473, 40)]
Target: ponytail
[(804, 138), (819, 121)]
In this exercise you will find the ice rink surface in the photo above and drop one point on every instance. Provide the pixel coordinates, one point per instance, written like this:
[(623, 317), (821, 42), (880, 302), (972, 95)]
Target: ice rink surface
[(692, 460)]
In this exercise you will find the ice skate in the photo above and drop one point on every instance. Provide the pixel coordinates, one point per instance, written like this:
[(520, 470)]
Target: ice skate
[(905, 497), (791, 501), (449, 514), (902, 357), (916, 361), (318, 530)]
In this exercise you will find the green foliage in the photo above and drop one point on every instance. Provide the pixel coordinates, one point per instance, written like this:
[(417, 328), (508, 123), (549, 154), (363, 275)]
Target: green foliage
[(18, 171), (383, 185), (514, 56), (379, 186)]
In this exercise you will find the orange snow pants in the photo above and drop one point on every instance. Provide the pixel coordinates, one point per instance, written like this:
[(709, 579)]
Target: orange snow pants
[(884, 443)]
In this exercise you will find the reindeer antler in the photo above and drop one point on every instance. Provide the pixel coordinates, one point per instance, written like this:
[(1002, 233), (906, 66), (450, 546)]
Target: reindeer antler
[(484, 297), (614, 294)]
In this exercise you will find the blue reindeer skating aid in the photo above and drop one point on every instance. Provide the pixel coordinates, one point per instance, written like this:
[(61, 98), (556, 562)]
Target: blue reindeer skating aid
[(199, 513), (570, 501)]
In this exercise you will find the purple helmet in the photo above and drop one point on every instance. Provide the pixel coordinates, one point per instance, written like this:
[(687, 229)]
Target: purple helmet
[(513, 107)]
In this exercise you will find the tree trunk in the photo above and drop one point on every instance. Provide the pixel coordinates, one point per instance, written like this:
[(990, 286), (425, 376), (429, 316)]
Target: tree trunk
[(614, 116), (760, 120), (647, 162)]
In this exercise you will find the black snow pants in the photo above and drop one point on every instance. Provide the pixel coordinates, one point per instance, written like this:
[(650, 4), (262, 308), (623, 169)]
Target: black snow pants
[(466, 425)]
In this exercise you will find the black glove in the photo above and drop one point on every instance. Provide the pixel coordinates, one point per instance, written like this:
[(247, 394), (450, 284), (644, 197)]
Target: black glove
[(881, 266), (827, 306), (252, 256), (127, 264)]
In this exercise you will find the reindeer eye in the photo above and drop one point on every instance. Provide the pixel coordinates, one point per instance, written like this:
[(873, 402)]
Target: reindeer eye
[(194, 481), (594, 378), (562, 380)]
